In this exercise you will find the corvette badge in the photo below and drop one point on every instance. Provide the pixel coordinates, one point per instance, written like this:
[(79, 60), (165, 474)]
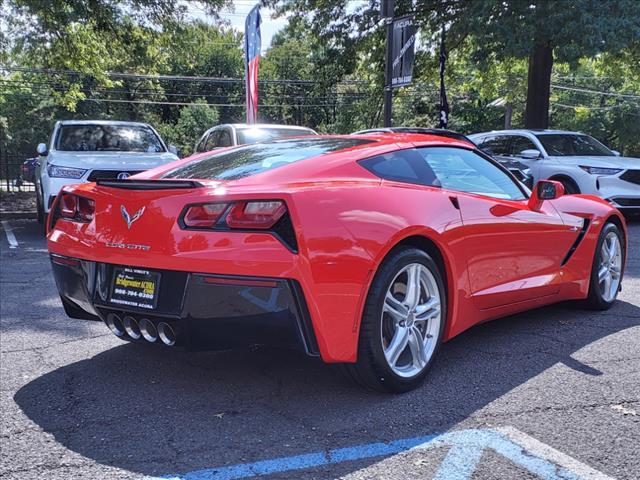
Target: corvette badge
[(128, 218)]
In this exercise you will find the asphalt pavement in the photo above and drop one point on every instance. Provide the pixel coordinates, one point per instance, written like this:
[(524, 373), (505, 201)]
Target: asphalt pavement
[(552, 393)]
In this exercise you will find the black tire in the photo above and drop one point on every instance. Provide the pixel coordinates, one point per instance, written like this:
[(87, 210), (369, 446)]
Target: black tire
[(570, 187), (372, 369), (39, 210), (595, 299)]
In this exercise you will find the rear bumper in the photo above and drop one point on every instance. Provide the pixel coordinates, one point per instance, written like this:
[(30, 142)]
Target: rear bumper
[(206, 311)]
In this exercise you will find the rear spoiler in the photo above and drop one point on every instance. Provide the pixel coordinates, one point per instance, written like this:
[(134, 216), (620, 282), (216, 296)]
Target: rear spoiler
[(148, 184)]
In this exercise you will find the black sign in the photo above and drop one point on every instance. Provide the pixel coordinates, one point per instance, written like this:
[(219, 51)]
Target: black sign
[(404, 40), (135, 287)]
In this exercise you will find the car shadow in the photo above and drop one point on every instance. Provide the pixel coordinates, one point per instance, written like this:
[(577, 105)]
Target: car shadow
[(157, 411)]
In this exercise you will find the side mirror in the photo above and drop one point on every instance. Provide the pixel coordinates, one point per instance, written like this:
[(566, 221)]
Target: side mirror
[(173, 149), (41, 149), (616, 153), (530, 154), (545, 190)]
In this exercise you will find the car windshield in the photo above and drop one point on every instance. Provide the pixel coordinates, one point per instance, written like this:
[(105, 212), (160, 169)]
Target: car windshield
[(108, 138), (258, 134), (253, 159), (570, 145)]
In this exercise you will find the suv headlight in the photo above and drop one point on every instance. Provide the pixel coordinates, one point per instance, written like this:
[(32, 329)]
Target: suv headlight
[(65, 172), (601, 170)]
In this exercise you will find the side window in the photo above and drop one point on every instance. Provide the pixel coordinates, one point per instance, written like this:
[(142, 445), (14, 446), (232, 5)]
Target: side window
[(401, 166), (225, 138), (495, 145), (518, 144), (201, 144), (466, 171), (212, 140)]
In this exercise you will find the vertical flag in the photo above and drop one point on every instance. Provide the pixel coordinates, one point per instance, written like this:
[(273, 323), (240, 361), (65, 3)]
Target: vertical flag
[(444, 104), (251, 61)]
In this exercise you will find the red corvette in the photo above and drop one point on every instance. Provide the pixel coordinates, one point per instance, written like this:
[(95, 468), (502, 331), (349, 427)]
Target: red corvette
[(365, 250)]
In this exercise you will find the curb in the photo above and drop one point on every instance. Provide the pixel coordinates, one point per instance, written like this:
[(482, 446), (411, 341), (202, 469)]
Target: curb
[(18, 215)]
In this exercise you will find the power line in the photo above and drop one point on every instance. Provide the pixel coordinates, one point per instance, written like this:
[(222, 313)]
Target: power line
[(172, 78), (153, 102), (595, 92)]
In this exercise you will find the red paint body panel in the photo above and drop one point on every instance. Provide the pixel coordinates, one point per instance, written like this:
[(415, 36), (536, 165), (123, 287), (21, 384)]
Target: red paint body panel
[(500, 257)]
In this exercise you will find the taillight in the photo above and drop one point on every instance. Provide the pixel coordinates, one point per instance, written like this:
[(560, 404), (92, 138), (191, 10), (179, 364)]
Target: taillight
[(68, 205), (260, 215), (76, 208), (203, 216), (267, 215)]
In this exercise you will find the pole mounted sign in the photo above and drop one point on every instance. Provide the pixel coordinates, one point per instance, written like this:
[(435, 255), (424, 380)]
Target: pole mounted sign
[(404, 40)]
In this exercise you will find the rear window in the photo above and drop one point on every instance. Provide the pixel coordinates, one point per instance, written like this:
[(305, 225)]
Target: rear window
[(253, 159), (108, 138), (257, 134)]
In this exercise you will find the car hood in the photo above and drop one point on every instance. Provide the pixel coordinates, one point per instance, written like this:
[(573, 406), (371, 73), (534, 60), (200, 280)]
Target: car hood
[(111, 160), (605, 162)]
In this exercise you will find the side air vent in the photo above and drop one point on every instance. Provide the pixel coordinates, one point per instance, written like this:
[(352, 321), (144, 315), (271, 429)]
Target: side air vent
[(583, 231)]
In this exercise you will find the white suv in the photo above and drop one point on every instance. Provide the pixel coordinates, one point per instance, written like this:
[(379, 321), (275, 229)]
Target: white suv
[(579, 161), (85, 150)]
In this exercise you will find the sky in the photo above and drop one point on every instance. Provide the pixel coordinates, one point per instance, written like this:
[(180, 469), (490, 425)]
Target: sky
[(236, 15)]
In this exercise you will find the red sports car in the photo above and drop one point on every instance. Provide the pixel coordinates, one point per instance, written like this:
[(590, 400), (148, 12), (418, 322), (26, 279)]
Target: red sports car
[(368, 251)]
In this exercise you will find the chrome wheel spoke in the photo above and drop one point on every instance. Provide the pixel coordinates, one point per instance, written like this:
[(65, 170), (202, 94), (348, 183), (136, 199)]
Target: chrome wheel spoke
[(613, 248), (428, 310), (607, 283), (418, 348), (395, 308), (397, 345), (412, 297), (615, 272), (602, 273)]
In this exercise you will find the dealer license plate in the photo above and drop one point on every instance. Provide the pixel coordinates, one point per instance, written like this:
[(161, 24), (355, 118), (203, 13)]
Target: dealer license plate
[(134, 287)]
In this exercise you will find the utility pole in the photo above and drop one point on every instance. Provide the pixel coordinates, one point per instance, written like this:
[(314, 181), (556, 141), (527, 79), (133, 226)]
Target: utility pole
[(387, 8)]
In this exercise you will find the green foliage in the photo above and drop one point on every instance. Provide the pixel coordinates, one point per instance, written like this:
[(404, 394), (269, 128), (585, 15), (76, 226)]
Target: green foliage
[(194, 120), (333, 49)]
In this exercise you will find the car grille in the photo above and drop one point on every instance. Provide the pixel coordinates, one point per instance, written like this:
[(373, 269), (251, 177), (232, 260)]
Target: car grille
[(110, 174), (627, 202), (631, 176)]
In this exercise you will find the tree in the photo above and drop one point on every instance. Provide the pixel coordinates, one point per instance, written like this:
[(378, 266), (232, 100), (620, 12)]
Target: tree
[(194, 120), (541, 31), (87, 37)]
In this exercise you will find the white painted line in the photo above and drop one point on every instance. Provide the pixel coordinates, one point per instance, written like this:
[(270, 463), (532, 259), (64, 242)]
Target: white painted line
[(11, 238), (543, 450)]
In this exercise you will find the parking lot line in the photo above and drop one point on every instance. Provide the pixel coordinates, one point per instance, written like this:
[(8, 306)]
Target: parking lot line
[(11, 238), (465, 452)]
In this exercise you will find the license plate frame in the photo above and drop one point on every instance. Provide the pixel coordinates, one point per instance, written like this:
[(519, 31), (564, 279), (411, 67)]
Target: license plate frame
[(135, 287)]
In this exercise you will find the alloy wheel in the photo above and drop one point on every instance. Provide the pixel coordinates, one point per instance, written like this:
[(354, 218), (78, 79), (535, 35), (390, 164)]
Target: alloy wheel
[(411, 317), (610, 269)]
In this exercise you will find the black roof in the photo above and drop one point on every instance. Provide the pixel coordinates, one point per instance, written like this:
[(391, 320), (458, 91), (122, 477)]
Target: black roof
[(417, 130)]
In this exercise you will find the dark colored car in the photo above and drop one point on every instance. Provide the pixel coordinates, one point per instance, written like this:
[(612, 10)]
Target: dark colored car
[(28, 170)]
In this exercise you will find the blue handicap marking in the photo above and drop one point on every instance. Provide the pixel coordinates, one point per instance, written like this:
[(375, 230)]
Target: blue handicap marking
[(465, 448)]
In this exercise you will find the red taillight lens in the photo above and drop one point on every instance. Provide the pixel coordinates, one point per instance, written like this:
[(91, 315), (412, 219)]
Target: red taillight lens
[(68, 205), (86, 209), (260, 215), (204, 216), (77, 208)]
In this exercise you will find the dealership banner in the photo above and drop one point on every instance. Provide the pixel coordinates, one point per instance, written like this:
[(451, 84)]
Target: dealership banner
[(252, 45), (404, 40)]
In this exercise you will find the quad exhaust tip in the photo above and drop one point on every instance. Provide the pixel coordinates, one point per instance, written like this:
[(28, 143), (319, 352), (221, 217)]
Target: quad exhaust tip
[(132, 328), (166, 334), (148, 330), (114, 322)]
